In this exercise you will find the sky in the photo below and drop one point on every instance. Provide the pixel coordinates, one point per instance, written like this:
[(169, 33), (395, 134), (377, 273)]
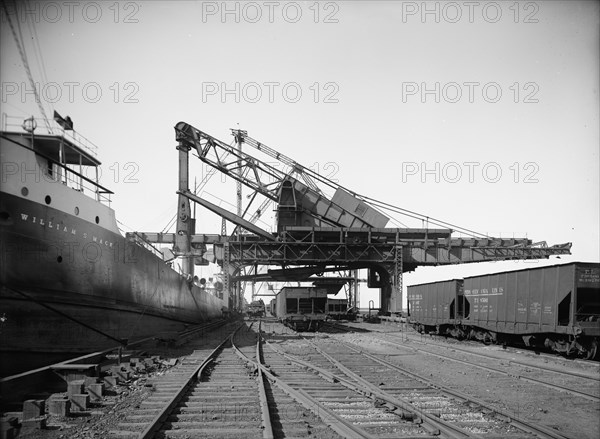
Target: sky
[(482, 114)]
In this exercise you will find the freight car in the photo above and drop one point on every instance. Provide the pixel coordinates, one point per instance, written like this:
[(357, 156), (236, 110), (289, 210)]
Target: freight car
[(338, 309), (301, 308), (556, 307), (256, 309)]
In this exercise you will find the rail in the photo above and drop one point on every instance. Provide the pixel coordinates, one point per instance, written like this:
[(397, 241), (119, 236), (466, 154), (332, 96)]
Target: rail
[(71, 178), (525, 426), (161, 417), (48, 127), (136, 238), (17, 386)]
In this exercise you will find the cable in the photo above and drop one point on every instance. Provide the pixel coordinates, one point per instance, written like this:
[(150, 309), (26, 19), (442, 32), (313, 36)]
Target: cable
[(23, 55)]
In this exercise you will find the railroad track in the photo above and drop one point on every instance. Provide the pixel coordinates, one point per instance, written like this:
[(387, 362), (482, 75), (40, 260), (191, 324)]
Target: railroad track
[(572, 382), (15, 389), (237, 387), (403, 395), (455, 342), (220, 393), (584, 385)]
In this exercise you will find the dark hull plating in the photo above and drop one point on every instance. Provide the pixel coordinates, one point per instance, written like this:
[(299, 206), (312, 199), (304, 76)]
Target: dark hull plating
[(62, 276)]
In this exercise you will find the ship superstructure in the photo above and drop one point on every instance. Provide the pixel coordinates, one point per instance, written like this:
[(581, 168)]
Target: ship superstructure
[(70, 281)]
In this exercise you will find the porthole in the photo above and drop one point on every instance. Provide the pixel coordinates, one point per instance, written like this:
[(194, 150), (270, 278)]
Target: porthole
[(59, 259), (76, 210), (24, 191), (97, 220), (48, 200)]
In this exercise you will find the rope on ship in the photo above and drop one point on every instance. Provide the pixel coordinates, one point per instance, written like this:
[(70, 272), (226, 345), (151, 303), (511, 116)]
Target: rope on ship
[(79, 322)]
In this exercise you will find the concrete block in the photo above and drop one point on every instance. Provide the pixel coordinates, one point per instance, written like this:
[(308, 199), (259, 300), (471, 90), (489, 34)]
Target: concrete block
[(90, 380), (96, 391), (9, 427), (38, 423), (59, 406), (110, 382), (75, 387), (119, 373), (33, 408), (7, 432), (127, 368), (79, 403)]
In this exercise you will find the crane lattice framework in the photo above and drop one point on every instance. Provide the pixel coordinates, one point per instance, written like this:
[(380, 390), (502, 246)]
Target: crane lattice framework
[(316, 232)]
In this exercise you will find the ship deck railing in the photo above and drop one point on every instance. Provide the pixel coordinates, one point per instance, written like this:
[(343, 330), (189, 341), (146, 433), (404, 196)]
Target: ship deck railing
[(51, 128), (141, 241), (70, 177), (73, 180)]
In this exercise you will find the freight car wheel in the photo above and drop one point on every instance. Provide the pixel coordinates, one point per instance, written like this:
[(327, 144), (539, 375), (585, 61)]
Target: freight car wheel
[(487, 339), (592, 350)]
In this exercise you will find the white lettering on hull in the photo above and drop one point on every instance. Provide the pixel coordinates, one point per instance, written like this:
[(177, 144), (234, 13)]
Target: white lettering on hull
[(49, 224)]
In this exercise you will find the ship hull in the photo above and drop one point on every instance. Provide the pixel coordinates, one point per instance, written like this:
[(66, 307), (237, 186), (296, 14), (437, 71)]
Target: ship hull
[(69, 286)]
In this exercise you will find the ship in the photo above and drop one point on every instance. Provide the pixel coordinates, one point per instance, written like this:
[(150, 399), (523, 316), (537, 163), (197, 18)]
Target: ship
[(70, 281)]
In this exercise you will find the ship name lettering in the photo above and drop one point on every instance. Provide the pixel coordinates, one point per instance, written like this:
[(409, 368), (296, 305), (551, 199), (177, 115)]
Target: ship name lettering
[(42, 222), (24, 216), (49, 224)]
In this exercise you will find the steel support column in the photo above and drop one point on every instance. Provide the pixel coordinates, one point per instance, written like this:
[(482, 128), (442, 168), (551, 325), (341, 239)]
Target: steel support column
[(185, 222)]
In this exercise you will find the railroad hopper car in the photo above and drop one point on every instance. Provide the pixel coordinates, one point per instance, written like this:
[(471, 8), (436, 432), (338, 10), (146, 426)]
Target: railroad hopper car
[(439, 307), (556, 307), (256, 309), (338, 309), (301, 308)]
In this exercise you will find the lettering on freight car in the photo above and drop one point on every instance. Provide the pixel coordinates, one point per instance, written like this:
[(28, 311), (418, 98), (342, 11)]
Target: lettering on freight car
[(548, 309), (415, 302), (521, 309), (485, 292), (535, 308), (588, 276)]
